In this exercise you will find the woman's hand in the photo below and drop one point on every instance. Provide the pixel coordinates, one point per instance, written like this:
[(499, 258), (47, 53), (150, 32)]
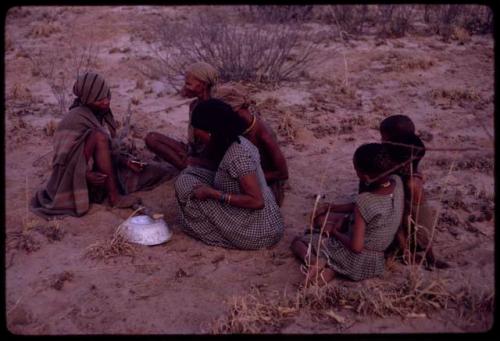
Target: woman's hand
[(135, 166), (203, 192), (95, 178)]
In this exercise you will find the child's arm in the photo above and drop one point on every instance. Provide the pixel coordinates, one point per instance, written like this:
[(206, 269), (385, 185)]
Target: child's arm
[(357, 242), (341, 208)]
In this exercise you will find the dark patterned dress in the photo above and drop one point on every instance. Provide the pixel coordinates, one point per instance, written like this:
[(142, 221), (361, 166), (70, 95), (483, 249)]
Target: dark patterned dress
[(221, 224), (382, 215)]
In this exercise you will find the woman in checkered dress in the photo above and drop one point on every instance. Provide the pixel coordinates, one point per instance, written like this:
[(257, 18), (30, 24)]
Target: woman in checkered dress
[(230, 206), (354, 246)]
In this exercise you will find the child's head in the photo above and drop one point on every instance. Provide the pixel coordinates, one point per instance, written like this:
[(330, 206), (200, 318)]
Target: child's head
[(395, 126), (414, 148), (371, 160)]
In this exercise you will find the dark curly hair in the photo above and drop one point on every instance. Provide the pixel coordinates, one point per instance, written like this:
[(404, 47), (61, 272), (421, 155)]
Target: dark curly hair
[(396, 126), (223, 124), (372, 159), (414, 148)]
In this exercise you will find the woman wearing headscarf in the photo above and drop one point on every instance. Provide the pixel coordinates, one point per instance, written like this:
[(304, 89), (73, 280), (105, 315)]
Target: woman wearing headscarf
[(232, 207), (258, 132), (200, 81), (83, 167)]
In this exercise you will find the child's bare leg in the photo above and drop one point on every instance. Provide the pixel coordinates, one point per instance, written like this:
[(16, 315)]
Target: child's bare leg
[(319, 274), (299, 249)]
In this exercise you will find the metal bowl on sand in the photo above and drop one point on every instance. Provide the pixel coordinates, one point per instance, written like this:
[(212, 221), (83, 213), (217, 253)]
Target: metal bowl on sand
[(144, 230)]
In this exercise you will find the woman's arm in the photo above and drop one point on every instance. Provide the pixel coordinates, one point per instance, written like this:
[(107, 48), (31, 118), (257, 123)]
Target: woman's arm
[(279, 169), (250, 196), (357, 242), (416, 187)]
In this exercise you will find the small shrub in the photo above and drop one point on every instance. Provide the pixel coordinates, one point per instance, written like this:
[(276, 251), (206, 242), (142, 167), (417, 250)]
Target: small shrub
[(264, 53)]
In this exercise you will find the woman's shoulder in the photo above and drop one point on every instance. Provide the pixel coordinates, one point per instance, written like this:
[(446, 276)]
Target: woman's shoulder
[(244, 148)]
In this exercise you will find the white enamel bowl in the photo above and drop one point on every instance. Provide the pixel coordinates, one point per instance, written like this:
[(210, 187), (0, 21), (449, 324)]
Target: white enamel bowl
[(144, 230)]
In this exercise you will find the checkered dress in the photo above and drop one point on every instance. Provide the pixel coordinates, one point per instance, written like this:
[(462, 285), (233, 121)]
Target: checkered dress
[(221, 224), (382, 215)]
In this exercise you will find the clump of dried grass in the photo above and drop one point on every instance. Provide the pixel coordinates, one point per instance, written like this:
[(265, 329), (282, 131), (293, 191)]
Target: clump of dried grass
[(252, 314), (53, 231), (412, 296), (116, 246), (461, 35), (23, 240), (50, 128), (45, 29), (59, 279), (472, 306), (455, 94), (287, 127)]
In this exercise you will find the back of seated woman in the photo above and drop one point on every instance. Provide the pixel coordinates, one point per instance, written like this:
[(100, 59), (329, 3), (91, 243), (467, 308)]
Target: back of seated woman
[(231, 207), (371, 222), (407, 150)]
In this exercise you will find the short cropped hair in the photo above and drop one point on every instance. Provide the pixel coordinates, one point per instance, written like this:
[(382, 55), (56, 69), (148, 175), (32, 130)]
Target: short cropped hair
[(372, 159), (397, 125)]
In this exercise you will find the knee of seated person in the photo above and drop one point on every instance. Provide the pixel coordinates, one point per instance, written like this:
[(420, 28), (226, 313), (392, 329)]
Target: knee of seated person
[(150, 139)]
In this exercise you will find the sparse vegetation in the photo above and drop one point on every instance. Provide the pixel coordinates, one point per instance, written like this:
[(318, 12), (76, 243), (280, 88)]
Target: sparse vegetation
[(60, 70), (264, 53), (340, 303)]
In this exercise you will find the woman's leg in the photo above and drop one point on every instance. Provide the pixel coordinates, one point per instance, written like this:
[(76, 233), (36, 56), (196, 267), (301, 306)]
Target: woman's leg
[(170, 150), (97, 146)]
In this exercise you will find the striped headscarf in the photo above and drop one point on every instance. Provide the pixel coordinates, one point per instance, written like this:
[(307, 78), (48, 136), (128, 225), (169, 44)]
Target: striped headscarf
[(91, 87), (205, 73)]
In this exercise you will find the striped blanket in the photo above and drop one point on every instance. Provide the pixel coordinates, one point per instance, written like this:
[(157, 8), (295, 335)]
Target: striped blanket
[(66, 192)]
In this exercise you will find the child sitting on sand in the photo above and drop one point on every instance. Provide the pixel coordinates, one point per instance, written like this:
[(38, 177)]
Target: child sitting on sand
[(354, 245), (418, 217)]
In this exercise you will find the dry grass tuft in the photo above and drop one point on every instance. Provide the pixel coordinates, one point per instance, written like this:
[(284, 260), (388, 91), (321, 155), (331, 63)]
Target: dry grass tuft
[(44, 29), (53, 231), (115, 247), (455, 95), (339, 302), (461, 35), (50, 128), (59, 279), (23, 240), (251, 314), (398, 62), (287, 128)]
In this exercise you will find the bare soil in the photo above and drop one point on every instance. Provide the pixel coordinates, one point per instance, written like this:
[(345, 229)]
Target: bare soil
[(184, 286)]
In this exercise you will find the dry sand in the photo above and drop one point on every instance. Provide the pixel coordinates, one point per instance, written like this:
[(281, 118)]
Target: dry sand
[(184, 286)]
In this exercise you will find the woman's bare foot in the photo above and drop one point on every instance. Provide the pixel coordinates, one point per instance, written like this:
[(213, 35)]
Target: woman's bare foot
[(319, 274)]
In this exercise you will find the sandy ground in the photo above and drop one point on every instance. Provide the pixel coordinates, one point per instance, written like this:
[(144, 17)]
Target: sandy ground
[(184, 286)]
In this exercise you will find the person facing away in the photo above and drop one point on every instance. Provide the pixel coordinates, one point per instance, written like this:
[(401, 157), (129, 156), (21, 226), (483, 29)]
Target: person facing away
[(356, 234), (419, 217), (231, 207), (261, 135), (200, 81)]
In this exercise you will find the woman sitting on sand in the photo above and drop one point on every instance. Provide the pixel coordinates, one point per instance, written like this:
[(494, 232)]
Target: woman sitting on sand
[(273, 161), (353, 243), (232, 207), (200, 81), (418, 218)]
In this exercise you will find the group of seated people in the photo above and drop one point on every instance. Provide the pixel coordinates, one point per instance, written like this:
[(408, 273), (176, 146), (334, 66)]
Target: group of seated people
[(231, 175)]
